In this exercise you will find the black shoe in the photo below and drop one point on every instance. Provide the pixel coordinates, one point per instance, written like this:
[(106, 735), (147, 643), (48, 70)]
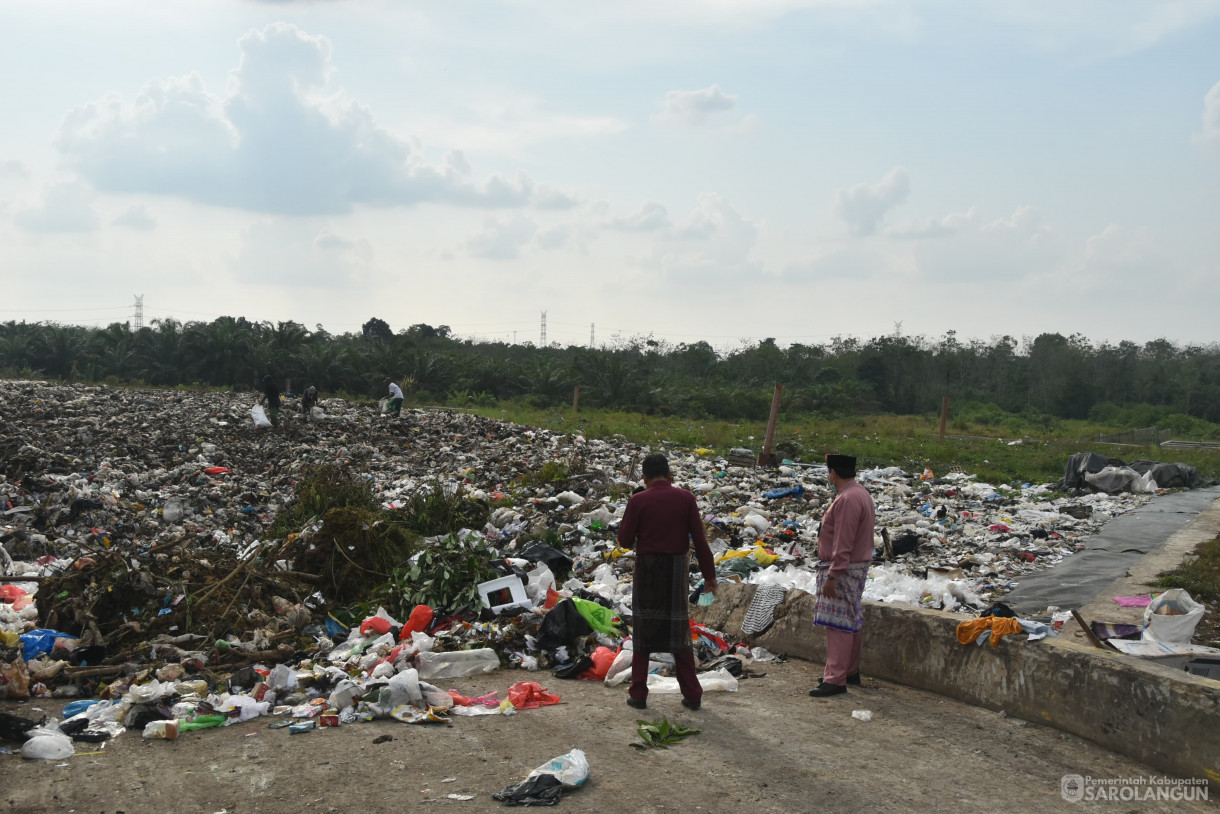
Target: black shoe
[(823, 690), (631, 702), (692, 705), (854, 679)]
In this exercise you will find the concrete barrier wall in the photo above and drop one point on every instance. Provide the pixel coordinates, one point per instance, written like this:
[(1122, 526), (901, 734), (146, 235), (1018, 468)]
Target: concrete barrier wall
[(1167, 719)]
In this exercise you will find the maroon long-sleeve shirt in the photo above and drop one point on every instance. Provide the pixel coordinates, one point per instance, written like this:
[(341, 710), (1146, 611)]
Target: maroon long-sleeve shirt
[(664, 520)]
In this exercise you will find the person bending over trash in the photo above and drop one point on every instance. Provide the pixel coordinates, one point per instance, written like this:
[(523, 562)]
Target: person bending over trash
[(271, 400), (395, 404), (660, 523), (845, 551), (309, 400)]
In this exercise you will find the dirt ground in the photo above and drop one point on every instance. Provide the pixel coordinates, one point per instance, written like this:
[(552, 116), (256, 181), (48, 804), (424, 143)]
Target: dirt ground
[(766, 748)]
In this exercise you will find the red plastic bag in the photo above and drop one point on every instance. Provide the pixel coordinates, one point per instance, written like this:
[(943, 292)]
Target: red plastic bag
[(552, 598), (530, 695), (602, 657), (10, 593), (377, 623), (217, 470), (421, 616)]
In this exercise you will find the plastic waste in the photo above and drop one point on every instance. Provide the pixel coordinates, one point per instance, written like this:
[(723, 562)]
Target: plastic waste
[(77, 707), (862, 715), (571, 769), (48, 747), (201, 722), (456, 664), (1172, 617), (173, 511), (259, 415), (711, 681), (163, 730)]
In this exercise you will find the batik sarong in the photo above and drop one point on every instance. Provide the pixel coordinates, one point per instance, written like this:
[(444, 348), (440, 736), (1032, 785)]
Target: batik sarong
[(846, 611)]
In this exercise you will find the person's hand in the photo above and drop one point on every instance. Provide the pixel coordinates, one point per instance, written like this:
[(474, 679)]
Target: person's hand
[(709, 586), (828, 588)]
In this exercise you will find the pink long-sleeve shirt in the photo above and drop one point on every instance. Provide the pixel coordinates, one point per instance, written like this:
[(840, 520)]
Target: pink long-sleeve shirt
[(846, 535)]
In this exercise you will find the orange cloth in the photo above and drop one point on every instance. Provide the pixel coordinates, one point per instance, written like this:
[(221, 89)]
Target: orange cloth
[(999, 626)]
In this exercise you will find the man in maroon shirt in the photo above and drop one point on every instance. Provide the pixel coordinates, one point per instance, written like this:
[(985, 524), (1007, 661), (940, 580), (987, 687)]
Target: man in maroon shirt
[(660, 523)]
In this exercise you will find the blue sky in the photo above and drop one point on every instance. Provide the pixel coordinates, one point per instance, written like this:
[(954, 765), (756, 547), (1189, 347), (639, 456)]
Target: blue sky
[(697, 169)]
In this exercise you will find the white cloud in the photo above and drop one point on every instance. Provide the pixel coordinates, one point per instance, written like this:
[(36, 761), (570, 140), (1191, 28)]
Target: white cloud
[(1009, 249), (863, 206), (1209, 137), (295, 252), (272, 144), (696, 106), (650, 217), (950, 224), (549, 197), (715, 241), (136, 217), (508, 124), (66, 208), (555, 237), (1105, 27), (13, 169), (502, 238)]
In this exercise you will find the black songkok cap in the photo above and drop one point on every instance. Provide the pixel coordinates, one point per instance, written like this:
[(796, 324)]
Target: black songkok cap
[(843, 465)]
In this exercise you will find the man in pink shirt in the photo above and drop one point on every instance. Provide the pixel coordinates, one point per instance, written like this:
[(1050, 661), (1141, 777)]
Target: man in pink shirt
[(660, 523), (845, 551)]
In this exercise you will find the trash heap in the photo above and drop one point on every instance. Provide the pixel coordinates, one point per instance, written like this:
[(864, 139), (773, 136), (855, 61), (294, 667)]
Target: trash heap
[(162, 554)]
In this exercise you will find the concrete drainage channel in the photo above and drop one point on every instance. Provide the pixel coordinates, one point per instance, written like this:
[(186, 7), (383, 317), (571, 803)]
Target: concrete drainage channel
[(1167, 719)]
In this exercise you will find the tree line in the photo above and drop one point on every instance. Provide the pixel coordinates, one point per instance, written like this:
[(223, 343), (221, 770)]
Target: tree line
[(1051, 375)]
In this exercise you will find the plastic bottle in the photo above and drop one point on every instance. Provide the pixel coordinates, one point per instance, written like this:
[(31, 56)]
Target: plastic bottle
[(457, 664), (165, 730)]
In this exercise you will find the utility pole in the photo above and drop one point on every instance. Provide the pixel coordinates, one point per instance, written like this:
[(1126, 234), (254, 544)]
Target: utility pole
[(542, 342), (138, 317), (592, 327)]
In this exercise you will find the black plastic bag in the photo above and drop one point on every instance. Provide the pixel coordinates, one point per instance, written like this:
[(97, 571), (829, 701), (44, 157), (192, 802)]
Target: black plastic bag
[(561, 626), (554, 559), (539, 790), (572, 669), (13, 728)]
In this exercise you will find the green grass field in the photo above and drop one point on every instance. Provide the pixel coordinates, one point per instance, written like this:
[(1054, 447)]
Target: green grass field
[(910, 442)]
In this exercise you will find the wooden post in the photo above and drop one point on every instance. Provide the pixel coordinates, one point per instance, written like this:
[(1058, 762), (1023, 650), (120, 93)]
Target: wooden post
[(766, 457), (576, 399), (287, 385), (944, 413)]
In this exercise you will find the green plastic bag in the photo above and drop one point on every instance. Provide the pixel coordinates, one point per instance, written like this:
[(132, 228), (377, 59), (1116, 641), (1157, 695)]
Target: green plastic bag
[(599, 617), (201, 722)]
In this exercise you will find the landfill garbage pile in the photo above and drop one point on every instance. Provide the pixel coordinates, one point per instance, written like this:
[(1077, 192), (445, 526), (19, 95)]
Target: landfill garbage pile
[(161, 553), (1088, 470)]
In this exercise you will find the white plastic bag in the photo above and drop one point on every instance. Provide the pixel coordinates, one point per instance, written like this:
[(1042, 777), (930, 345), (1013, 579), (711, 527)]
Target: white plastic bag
[(571, 770), (1173, 628), (540, 579), (711, 681), (261, 422), (456, 664), (48, 747)]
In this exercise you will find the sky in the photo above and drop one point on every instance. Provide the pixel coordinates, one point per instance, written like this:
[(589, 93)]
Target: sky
[(690, 170)]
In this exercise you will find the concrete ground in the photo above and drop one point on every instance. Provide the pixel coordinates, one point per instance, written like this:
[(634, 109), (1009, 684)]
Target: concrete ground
[(766, 748)]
